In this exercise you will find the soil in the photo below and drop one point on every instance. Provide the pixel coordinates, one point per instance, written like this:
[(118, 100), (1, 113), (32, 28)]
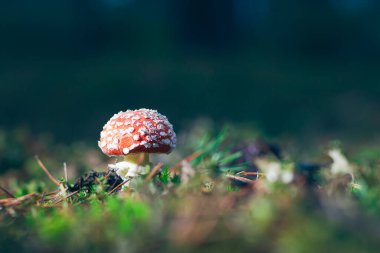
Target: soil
[(93, 178)]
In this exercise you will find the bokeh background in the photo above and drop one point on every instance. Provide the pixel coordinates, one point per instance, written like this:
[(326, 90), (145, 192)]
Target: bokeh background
[(289, 78), (298, 68)]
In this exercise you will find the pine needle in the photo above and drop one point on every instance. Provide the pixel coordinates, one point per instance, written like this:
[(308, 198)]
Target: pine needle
[(68, 196), (118, 186), (154, 171), (7, 192), (65, 171), (241, 179), (55, 181), (187, 159)]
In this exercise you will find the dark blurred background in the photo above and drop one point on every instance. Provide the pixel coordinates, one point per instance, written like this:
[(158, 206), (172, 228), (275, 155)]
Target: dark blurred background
[(290, 67)]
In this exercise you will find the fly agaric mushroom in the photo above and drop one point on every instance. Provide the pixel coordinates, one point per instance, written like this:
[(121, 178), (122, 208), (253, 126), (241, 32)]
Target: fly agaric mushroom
[(134, 134)]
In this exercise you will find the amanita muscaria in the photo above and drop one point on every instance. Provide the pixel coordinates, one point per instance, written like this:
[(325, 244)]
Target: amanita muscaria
[(135, 134)]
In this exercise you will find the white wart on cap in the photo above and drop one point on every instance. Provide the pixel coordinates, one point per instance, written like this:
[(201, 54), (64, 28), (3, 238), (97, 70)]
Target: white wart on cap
[(137, 131)]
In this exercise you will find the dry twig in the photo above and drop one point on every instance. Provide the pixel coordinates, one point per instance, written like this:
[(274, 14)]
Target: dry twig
[(17, 201)]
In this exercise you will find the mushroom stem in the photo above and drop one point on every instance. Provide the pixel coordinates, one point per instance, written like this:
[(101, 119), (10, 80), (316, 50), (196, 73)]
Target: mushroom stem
[(132, 166), (139, 158)]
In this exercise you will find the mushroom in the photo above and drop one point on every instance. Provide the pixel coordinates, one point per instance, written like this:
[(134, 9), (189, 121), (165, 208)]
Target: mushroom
[(135, 134)]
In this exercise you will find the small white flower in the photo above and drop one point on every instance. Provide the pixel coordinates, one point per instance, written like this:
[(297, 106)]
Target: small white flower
[(273, 172), (340, 164), (287, 177), (276, 171)]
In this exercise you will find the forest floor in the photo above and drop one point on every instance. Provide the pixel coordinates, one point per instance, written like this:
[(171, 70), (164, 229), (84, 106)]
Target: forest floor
[(217, 192)]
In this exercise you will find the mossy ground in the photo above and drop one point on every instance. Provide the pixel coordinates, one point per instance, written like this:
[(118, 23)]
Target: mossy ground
[(216, 193)]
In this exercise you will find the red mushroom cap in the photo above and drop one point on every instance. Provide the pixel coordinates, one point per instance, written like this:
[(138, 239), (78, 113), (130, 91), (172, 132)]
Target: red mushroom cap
[(137, 131)]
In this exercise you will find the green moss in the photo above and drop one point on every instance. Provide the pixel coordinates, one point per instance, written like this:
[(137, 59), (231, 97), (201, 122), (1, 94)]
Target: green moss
[(200, 210)]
